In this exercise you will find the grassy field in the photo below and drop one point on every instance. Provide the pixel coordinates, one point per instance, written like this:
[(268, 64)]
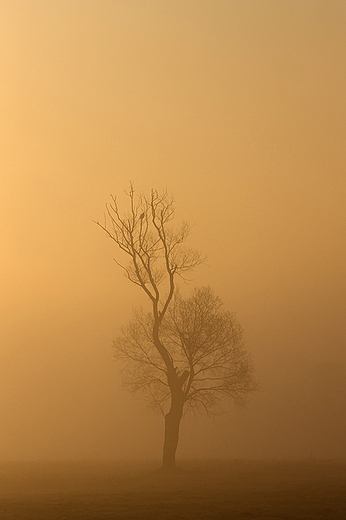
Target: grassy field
[(214, 489)]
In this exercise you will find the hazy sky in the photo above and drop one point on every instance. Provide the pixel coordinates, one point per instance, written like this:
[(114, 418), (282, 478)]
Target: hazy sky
[(238, 108)]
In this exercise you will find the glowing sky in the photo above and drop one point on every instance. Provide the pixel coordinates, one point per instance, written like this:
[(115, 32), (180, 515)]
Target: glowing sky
[(238, 108)]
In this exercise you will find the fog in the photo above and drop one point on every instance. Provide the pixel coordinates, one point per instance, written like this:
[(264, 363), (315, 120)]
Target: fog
[(238, 109)]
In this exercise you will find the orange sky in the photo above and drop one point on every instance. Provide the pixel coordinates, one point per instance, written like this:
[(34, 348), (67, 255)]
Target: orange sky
[(238, 108)]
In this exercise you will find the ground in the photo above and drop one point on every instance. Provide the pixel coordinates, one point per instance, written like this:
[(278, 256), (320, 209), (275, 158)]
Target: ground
[(202, 490)]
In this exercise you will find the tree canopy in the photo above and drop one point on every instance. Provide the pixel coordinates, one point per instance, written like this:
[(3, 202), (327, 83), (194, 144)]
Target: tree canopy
[(206, 346)]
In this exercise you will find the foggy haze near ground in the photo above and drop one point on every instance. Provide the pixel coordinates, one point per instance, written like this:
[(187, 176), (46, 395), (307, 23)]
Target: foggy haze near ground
[(236, 107)]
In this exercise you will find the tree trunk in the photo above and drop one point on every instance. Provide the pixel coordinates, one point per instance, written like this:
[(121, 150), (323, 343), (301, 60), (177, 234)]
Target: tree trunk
[(172, 424), (173, 417)]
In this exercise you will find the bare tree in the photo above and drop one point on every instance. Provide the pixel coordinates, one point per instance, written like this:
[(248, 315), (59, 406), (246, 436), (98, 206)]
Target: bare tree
[(184, 352)]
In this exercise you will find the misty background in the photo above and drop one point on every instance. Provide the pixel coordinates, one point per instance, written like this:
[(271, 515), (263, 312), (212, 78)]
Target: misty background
[(238, 108)]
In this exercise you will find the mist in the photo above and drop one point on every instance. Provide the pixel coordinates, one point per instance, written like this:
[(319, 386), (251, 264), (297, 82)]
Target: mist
[(238, 109)]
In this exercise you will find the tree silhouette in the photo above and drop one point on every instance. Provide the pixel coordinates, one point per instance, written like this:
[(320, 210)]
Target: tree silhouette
[(186, 353)]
